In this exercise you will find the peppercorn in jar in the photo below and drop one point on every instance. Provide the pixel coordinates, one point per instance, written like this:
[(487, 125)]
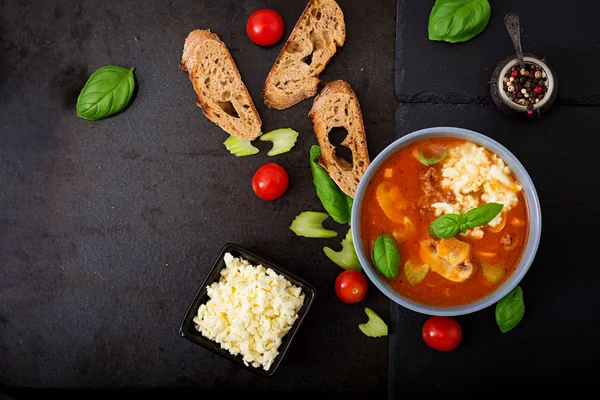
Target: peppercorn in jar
[(526, 86)]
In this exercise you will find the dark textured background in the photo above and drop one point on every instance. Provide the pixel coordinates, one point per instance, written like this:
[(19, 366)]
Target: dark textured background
[(564, 32), (107, 228)]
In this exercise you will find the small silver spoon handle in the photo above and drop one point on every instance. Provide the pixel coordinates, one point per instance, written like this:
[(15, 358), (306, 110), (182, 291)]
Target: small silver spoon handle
[(511, 21)]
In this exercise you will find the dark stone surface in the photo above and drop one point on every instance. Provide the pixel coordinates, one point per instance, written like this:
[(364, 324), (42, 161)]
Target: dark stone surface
[(565, 32), (108, 227), (555, 346)]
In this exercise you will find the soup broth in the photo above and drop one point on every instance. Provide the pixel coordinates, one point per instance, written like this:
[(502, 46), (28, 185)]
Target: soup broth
[(405, 196)]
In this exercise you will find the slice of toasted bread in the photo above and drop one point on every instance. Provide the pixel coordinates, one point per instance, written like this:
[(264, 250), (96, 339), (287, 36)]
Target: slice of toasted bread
[(220, 91), (337, 106), (315, 39)]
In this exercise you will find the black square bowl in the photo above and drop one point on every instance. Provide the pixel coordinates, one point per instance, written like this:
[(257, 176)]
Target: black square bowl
[(188, 327)]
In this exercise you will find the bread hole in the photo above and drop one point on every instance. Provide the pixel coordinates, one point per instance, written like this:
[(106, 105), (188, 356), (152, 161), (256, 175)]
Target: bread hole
[(207, 80), (361, 163), (336, 136), (228, 107), (316, 13), (216, 60), (317, 40), (225, 95), (346, 111), (294, 47), (345, 154), (308, 59)]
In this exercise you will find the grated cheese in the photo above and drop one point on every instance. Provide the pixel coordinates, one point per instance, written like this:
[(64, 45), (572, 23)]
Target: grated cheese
[(250, 310), (476, 176)]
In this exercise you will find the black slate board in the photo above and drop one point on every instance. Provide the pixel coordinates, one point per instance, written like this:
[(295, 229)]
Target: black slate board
[(108, 227), (554, 348), (565, 32)]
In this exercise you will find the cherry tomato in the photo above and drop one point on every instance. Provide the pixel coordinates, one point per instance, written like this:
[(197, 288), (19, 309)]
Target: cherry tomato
[(351, 286), (270, 181), (264, 27), (442, 333)]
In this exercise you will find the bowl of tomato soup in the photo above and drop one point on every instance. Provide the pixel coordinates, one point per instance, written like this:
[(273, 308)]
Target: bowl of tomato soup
[(446, 221)]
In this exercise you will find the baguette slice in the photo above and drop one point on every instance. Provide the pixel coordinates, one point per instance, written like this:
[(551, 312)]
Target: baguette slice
[(315, 39), (221, 93), (337, 106)]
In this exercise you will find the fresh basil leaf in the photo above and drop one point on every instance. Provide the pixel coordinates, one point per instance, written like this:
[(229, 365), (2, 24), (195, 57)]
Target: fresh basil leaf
[(375, 327), (482, 215), (446, 226), (335, 201), (350, 201), (345, 258), (431, 161), (510, 310), (386, 256), (106, 92), (458, 20)]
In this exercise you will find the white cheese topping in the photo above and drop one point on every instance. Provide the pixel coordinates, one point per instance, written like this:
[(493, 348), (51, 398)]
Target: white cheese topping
[(476, 176), (250, 309)]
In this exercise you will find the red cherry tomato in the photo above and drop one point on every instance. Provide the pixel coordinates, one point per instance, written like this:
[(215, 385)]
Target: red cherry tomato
[(264, 27), (442, 333), (351, 286), (270, 181)]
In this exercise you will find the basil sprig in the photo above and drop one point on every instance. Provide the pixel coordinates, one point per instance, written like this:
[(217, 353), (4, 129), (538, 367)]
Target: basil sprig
[(337, 203), (106, 92), (448, 225), (510, 310), (431, 161), (386, 256), (458, 20)]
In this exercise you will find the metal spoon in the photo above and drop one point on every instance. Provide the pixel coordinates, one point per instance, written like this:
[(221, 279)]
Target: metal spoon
[(511, 21)]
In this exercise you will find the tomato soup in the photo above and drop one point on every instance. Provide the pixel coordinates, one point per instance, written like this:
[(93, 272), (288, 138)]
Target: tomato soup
[(446, 177)]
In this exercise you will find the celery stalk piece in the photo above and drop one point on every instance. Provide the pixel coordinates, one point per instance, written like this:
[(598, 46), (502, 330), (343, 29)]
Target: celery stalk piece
[(283, 140), (240, 147), (310, 224), (345, 258), (375, 327)]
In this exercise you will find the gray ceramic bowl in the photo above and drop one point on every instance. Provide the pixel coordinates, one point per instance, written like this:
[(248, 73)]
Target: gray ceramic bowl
[(533, 204)]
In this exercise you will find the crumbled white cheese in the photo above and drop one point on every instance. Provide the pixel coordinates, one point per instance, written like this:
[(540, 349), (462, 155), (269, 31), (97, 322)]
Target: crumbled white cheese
[(250, 310), (477, 176)]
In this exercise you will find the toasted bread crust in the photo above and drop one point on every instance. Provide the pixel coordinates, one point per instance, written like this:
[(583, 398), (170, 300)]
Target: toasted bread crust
[(337, 106), (221, 93), (315, 39)]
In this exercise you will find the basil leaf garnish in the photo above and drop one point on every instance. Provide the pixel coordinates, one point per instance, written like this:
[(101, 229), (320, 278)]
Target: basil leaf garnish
[(386, 256), (458, 20), (510, 310), (106, 92), (431, 161), (336, 203), (446, 226), (482, 215)]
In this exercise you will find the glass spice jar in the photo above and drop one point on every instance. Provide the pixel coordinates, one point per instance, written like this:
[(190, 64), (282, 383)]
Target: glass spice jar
[(527, 92)]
